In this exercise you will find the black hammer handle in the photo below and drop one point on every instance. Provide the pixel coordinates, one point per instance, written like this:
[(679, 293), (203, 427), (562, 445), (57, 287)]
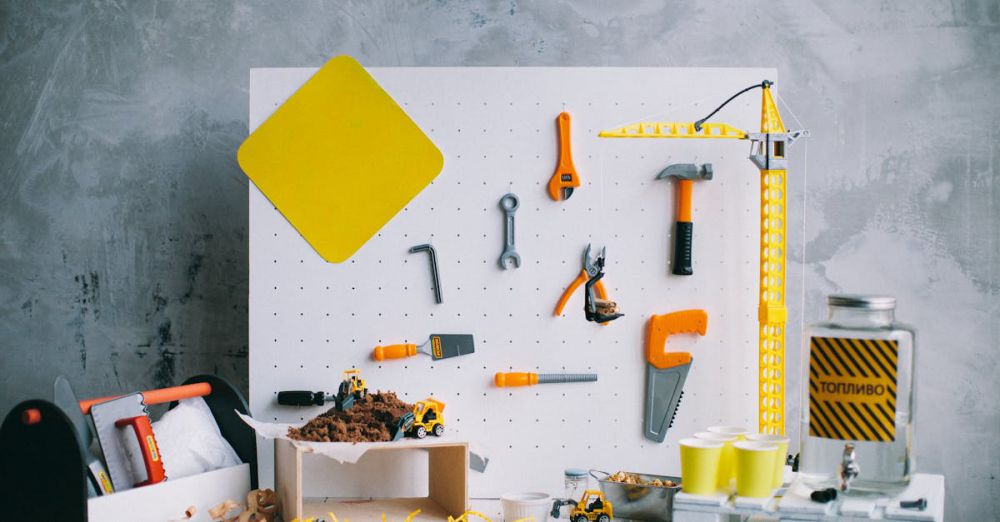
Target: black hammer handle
[(683, 237)]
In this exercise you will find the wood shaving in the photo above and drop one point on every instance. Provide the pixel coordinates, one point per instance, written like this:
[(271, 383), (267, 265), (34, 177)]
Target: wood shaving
[(219, 512), (636, 480)]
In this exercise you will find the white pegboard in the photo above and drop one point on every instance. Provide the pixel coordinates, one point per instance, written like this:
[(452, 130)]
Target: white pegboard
[(496, 128)]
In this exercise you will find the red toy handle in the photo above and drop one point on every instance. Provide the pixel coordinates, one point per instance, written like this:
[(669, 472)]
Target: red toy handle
[(147, 446)]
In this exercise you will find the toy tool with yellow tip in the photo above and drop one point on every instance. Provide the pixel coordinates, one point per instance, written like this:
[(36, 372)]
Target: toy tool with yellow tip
[(439, 346)]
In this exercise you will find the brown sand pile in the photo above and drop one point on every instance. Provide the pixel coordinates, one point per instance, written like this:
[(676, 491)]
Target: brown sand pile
[(369, 420)]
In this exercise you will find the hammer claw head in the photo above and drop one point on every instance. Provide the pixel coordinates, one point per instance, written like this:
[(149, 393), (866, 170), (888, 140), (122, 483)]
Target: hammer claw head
[(686, 171)]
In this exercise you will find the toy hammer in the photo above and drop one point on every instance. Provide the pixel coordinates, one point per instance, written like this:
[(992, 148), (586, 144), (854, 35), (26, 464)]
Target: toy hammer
[(685, 174)]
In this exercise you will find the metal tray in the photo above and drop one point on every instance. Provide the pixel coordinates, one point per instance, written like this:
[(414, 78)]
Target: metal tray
[(640, 503)]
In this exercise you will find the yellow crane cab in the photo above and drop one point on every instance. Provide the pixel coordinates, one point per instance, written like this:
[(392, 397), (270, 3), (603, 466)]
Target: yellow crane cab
[(592, 507), (428, 417)]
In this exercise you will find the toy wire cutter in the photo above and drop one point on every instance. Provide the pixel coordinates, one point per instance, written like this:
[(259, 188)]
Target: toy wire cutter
[(590, 273)]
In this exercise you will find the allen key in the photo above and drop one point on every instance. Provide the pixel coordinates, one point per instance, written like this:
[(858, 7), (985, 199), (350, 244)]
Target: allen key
[(434, 268)]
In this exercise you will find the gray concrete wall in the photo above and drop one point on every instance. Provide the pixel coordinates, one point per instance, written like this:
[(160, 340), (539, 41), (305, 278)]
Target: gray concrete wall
[(124, 217)]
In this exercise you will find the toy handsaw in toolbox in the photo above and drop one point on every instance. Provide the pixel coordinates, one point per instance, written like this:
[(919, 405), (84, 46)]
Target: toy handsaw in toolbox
[(129, 411)]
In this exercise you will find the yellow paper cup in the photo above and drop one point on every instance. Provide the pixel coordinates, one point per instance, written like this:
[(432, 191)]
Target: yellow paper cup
[(735, 431), (754, 468), (779, 456), (699, 465), (727, 463)]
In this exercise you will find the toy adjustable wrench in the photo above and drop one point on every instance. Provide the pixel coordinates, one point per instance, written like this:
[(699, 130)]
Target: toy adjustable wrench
[(667, 371)]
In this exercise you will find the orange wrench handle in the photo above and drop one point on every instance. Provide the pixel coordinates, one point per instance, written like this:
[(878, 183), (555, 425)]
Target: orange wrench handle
[(147, 445), (394, 351), (565, 175)]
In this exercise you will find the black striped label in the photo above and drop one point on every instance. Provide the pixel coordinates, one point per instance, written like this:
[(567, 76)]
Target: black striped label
[(852, 388)]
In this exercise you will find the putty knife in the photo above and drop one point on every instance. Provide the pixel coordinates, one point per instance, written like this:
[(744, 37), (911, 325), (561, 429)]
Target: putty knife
[(439, 346)]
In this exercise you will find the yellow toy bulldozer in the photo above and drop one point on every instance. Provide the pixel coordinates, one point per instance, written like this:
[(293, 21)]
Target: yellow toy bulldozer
[(427, 417), (592, 507)]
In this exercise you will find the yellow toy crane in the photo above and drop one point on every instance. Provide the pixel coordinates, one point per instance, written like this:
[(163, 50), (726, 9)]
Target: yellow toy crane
[(767, 152)]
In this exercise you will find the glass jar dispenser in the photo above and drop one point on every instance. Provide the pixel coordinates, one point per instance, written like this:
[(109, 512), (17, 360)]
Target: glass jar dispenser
[(857, 409)]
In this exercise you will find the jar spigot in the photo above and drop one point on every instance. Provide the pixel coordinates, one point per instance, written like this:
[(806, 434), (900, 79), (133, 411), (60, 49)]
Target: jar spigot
[(849, 468)]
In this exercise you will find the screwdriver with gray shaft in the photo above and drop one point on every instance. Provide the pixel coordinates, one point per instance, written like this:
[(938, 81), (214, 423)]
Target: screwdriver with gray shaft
[(506, 380)]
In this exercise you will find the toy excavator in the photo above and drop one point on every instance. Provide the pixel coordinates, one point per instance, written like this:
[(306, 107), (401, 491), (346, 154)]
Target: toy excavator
[(592, 507), (427, 417), (352, 388)]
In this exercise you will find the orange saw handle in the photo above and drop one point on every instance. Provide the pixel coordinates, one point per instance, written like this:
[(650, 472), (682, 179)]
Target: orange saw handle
[(394, 351), (174, 393), (506, 380), (660, 327), (565, 175), (147, 446), (580, 279)]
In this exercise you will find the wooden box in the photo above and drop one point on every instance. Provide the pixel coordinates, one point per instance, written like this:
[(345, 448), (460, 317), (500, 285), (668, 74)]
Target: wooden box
[(447, 481), (169, 499)]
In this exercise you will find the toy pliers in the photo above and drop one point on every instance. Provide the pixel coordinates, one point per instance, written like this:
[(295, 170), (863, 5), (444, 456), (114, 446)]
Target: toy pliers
[(591, 268)]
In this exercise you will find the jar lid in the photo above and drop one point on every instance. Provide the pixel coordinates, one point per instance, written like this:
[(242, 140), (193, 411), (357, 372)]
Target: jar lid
[(862, 302), (575, 473)]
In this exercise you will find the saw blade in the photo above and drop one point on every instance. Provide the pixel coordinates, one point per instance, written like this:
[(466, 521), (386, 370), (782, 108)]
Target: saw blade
[(663, 393), (105, 415)]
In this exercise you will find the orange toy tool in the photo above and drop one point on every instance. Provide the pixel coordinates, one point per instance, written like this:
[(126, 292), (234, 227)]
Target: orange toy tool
[(511, 379), (565, 178), (591, 269), (667, 371), (128, 413)]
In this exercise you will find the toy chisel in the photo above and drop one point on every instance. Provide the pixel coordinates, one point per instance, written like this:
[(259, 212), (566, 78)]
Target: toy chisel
[(439, 346)]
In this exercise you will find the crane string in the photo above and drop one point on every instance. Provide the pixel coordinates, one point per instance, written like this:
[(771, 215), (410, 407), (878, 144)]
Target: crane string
[(805, 223)]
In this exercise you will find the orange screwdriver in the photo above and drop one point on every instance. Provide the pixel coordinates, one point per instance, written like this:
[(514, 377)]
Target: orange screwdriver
[(509, 379)]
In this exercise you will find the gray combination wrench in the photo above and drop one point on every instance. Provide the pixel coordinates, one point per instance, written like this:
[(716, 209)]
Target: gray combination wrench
[(509, 204)]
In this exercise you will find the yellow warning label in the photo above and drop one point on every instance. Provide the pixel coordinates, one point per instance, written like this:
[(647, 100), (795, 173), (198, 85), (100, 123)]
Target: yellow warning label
[(436, 346), (852, 388), (151, 443), (102, 477)]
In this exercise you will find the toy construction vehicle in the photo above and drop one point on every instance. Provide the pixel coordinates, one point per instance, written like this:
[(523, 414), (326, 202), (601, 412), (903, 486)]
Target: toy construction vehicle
[(592, 507), (427, 417), (352, 388)]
